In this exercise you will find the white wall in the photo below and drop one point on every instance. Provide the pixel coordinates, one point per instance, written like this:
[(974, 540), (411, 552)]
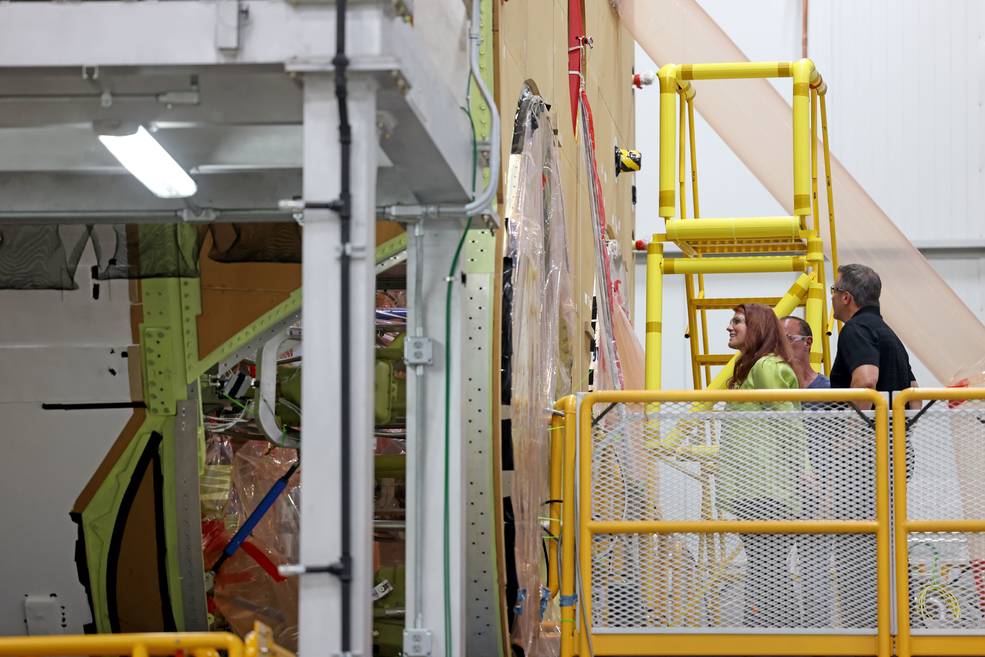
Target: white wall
[(54, 347), (906, 116)]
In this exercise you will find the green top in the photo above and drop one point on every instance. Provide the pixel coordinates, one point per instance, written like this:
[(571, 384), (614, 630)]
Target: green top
[(761, 457)]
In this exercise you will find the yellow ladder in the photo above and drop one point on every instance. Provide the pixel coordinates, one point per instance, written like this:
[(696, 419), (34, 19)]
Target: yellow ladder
[(738, 245)]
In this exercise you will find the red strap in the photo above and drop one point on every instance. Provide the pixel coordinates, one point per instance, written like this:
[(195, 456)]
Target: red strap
[(576, 30), (262, 560)]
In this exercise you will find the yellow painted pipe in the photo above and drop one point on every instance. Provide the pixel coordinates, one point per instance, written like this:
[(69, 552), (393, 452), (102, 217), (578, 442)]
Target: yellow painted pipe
[(733, 526), (802, 71), (694, 158), (568, 605), (734, 265), (735, 70), (832, 233), (900, 537), (641, 644), (681, 155), (692, 330), (668, 120), (654, 314), (155, 643), (815, 207), (697, 213), (556, 438), (815, 318), (734, 228)]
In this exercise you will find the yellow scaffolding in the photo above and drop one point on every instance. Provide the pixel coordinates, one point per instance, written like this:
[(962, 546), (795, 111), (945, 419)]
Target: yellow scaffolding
[(738, 245)]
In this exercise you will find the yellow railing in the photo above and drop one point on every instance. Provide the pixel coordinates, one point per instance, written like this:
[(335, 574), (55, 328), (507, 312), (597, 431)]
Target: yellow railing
[(940, 641), (580, 638), (258, 643), (199, 644)]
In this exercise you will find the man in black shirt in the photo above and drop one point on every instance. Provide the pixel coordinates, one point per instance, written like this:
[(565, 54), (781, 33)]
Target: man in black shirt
[(870, 355)]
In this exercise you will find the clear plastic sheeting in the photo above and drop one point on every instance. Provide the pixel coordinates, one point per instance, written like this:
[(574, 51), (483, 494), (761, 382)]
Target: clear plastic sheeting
[(40, 257), (741, 462), (148, 250), (542, 326), (756, 123), (248, 587)]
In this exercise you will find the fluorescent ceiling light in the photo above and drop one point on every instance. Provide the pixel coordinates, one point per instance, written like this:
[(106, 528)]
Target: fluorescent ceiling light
[(149, 163)]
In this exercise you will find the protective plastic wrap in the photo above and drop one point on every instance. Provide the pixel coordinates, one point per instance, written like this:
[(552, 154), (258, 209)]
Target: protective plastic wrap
[(247, 587), (542, 320), (756, 123)]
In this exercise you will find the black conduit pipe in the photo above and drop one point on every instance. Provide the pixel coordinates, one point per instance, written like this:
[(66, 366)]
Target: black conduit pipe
[(344, 210)]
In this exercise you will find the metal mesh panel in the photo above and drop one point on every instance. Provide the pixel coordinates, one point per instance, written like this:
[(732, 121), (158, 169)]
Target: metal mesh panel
[(948, 480), (947, 570), (947, 583), (681, 462)]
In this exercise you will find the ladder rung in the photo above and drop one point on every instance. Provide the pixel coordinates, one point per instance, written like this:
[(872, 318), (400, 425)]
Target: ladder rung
[(731, 229), (734, 265), (728, 303), (715, 359)]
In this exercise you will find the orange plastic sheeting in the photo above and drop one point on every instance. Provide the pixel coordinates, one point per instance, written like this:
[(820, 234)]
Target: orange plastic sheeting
[(757, 124)]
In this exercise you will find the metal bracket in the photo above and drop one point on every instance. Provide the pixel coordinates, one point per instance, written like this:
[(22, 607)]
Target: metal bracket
[(351, 250), (267, 394), (417, 643), (227, 13), (418, 350)]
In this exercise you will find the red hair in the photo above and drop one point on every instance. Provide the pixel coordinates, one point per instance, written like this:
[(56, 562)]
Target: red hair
[(764, 336)]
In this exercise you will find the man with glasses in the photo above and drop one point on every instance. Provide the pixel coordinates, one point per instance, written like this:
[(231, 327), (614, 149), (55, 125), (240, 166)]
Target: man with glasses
[(870, 355), (813, 550)]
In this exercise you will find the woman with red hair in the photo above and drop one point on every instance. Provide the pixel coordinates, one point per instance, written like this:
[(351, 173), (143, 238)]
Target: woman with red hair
[(760, 459)]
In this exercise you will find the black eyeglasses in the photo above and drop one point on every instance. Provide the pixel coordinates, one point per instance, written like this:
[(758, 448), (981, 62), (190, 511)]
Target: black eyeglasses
[(839, 289)]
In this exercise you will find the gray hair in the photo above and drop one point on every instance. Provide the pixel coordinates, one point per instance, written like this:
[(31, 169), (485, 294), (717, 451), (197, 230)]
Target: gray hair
[(805, 328), (862, 283)]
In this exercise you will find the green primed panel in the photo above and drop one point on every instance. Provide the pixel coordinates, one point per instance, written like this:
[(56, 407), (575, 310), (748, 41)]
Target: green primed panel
[(99, 518), (391, 247), (283, 310)]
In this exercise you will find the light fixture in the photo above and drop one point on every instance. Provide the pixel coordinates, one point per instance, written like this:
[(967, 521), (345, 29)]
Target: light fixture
[(147, 160)]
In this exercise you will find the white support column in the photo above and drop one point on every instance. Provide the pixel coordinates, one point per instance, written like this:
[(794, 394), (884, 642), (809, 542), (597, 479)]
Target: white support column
[(320, 594), (426, 448)]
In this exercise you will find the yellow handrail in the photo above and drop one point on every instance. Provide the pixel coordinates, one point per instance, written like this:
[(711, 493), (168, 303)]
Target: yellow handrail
[(137, 645)]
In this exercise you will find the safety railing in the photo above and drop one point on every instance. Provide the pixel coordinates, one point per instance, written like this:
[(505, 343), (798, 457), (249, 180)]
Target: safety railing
[(257, 643), (198, 644), (939, 508), (724, 523)]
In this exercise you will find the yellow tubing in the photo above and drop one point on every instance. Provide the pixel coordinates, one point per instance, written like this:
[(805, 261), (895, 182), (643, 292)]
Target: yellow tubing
[(735, 70), (668, 118), (568, 538), (681, 167), (156, 643), (814, 316), (815, 207), (654, 313), (737, 265), (734, 228), (802, 71)]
